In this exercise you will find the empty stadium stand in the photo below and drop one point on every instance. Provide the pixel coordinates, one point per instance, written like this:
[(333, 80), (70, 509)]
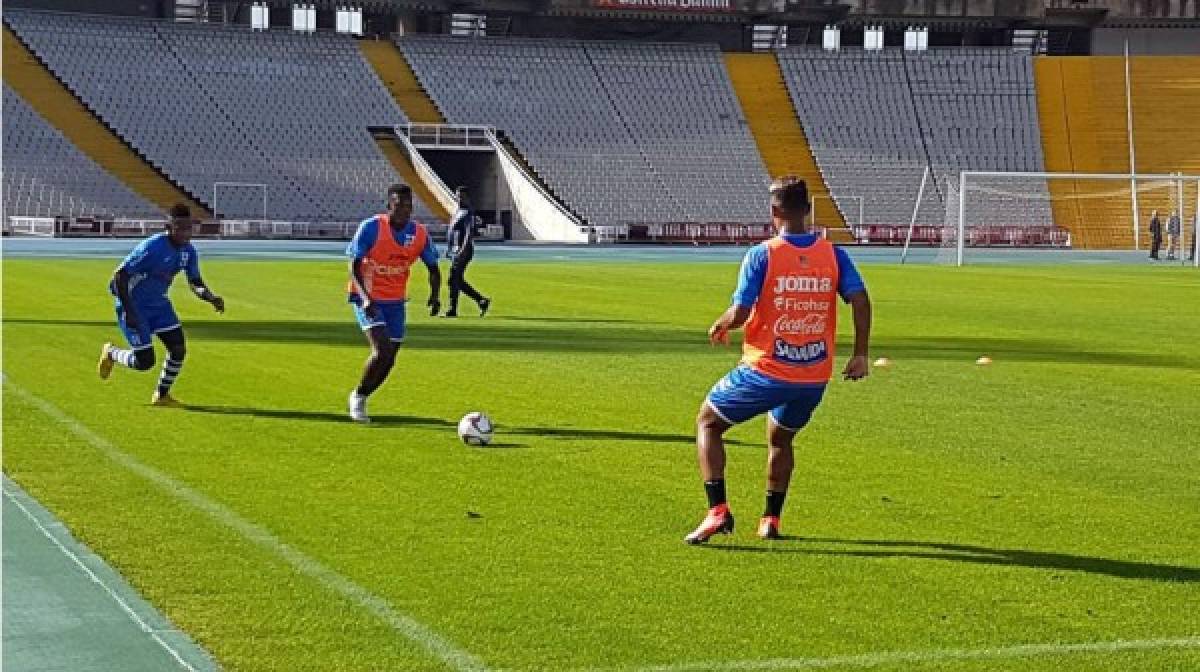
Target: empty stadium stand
[(45, 175), (222, 104), (876, 119), (621, 132), (781, 142)]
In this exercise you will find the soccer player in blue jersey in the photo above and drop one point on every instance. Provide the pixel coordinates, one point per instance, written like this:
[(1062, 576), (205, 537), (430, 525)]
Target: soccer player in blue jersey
[(382, 254), (140, 287), (786, 301)]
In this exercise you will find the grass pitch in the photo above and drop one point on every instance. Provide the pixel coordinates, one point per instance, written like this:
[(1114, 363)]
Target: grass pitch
[(1052, 498)]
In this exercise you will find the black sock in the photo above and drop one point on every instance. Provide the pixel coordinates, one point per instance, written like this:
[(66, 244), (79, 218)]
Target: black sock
[(775, 503), (715, 491)]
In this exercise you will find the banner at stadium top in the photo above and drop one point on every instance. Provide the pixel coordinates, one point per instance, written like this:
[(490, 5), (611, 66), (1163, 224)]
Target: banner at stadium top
[(669, 5)]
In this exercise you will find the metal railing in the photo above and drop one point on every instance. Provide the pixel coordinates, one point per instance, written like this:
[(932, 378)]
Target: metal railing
[(242, 229), (460, 137)]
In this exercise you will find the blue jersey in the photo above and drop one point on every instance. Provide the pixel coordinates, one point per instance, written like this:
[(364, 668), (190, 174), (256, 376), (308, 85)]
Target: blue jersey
[(368, 232), (153, 265), (754, 271)]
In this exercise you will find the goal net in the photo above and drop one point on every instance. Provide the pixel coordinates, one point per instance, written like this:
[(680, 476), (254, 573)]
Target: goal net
[(1067, 210)]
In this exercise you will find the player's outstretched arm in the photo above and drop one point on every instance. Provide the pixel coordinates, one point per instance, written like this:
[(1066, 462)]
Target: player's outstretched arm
[(734, 318), (860, 304), (203, 293)]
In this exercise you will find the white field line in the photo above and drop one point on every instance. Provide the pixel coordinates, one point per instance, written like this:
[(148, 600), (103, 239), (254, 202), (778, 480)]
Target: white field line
[(95, 579), (443, 649)]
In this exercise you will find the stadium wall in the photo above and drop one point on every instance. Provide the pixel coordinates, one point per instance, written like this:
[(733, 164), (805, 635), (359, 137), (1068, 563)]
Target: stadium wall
[(1146, 41), (152, 9)]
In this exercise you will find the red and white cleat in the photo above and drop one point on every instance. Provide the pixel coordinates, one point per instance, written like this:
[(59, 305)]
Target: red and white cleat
[(768, 527), (718, 521)]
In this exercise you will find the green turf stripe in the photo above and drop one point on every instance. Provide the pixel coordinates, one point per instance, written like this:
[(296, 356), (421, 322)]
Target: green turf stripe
[(436, 645)]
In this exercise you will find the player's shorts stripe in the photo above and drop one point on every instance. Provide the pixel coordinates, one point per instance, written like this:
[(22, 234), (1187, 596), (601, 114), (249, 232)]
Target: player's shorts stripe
[(771, 418), (719, 413)]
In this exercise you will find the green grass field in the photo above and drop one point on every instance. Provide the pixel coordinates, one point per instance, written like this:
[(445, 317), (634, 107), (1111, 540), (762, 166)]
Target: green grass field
[(941, 512)]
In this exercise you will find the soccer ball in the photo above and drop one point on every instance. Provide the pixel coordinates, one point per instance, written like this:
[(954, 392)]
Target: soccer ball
[(475, 429)]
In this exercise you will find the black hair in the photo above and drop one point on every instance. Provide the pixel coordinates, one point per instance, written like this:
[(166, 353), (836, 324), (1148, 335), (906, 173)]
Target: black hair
[(400, 189), (790, 194), (181, 211)]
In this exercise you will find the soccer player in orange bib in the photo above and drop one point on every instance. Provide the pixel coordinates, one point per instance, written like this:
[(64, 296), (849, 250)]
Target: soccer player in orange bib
[(786, 300), (382, 254)]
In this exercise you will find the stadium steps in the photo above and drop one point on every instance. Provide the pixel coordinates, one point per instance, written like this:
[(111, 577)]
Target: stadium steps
[(58, 105), (1166, 109), (401, 82), (1078, 136), (400, 161), (398, 76), (1081, 106), (765, 101)]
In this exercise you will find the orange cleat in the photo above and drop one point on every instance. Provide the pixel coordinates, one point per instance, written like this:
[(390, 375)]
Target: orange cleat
[(718, 521)]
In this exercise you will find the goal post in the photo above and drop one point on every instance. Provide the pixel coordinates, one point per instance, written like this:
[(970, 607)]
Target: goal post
[(239, 200), (1100, 211)]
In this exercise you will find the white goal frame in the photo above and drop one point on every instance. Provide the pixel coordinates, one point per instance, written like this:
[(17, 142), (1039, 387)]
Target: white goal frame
[(1186, 221), (243, 185)]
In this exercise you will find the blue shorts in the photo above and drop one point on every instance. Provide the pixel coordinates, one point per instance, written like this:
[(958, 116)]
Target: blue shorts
[(388, 315), (745, 393), (153, 318)]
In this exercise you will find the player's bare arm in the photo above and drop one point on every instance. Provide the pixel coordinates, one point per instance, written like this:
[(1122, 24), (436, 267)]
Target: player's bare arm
[(860, 305), (435, 289), (205, 294), (734, 318), (121, 282), (360, 286)]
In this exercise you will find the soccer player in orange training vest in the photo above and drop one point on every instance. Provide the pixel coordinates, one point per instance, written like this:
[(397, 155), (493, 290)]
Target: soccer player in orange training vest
[(382, 253), (787, 301)]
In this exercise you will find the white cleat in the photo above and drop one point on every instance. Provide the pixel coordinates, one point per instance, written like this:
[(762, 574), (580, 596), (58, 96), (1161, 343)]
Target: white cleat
[(358, 408)]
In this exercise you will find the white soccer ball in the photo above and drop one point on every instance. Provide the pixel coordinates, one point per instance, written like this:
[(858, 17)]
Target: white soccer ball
[(475, 429)]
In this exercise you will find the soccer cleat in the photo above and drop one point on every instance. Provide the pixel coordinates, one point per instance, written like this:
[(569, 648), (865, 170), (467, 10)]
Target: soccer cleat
[(104, 367), (768, 527), (451, 314), (718, 521), (164, 400), (484, 304), (358, 408)]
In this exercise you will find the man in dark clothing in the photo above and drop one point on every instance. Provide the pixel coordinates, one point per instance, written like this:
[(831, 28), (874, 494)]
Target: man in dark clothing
[(1155, 234), (1195, 237), (460, 249)]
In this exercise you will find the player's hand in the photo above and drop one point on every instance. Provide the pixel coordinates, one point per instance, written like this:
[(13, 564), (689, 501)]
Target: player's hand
[(856, 368), (435, 306), (368, 308), (218, 303), (718, 334)]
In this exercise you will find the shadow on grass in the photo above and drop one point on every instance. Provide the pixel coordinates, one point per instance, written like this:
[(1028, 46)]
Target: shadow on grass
[(389, 420), (508, 334), (594, 335), (983, 555)]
